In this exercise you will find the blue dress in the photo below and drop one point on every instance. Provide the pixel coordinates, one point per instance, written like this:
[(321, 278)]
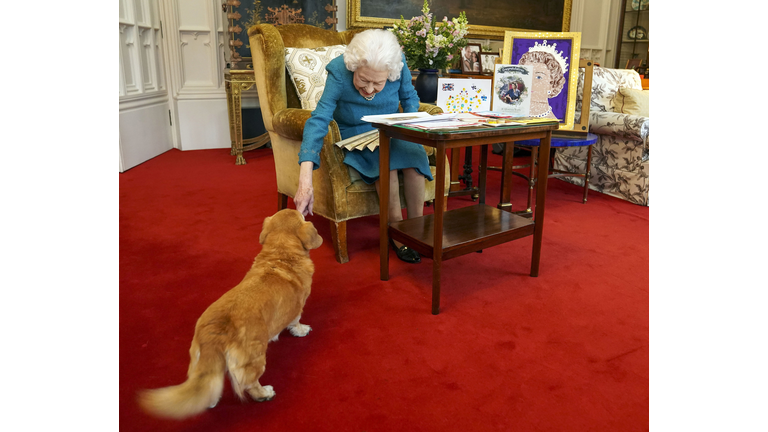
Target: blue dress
[(342, 102)]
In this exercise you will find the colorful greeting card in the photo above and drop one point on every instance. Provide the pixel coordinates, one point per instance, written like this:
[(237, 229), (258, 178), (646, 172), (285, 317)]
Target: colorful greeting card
[(512, 89), (457, 95)]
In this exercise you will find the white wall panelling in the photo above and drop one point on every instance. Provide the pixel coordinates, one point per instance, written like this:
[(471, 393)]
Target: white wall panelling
[(195, 39), (597, 21), (144, 104)]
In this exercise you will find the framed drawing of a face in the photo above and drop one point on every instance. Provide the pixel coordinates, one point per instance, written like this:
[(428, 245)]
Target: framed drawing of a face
[(553, 90)]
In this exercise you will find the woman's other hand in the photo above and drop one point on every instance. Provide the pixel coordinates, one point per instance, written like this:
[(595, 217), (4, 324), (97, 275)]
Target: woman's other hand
[(305, 195)]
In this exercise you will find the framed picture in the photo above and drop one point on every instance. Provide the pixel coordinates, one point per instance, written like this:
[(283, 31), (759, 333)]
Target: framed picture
[(512, 90), (459, 95), (553, 91), (488, 62), (470, 59), (634, 63), (488, 19)]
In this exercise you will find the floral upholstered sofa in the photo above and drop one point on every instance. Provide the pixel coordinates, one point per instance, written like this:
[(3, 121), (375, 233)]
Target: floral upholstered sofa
[(619, 117)]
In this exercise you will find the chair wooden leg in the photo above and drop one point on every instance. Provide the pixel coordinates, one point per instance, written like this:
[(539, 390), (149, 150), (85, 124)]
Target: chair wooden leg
[(282, 201), (587, 173), (339, 239)]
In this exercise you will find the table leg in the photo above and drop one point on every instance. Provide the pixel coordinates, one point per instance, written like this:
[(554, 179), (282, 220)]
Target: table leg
[(505, 198), (231, 117), (482, 175), (541, 195), (437, 242), (238, 112), (467, 176), (455, 161), (384, 202)]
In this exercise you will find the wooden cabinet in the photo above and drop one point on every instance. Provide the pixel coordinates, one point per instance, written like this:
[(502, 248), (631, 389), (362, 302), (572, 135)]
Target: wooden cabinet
[(632, 41)]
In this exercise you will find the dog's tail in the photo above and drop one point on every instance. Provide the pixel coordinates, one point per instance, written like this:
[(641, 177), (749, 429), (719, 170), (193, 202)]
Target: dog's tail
[(200, 391)]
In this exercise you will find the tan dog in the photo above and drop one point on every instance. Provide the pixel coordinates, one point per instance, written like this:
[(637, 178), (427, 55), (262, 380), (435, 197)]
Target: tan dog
[(232, 334)]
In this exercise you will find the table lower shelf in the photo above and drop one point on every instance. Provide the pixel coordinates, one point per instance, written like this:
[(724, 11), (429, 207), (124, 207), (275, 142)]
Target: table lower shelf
[(465, 230)]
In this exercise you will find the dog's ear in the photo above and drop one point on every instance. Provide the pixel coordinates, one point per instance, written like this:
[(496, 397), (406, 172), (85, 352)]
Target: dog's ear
[(265, 229), (309, 236)]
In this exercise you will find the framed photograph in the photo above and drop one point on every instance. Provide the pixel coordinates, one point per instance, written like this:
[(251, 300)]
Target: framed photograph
[(488, 62), (470, 59), (553, 91), (488, 19)]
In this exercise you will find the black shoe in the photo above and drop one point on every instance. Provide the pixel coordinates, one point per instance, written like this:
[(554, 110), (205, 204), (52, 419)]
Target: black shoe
[(405, 253)]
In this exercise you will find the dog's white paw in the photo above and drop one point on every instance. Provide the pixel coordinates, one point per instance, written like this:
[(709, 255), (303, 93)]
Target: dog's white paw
[(269, 394), (300, 330), (274, 339)]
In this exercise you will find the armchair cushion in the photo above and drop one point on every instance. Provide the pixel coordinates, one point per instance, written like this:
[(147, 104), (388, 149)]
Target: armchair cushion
[(632, 101), (306, 67), (605, 84)]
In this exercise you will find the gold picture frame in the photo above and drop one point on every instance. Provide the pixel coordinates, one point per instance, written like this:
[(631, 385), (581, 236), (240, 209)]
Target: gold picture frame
[(566, 46), (382, 14)]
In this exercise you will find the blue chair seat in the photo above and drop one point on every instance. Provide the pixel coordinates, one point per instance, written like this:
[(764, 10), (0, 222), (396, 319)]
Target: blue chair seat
[(557, 142)]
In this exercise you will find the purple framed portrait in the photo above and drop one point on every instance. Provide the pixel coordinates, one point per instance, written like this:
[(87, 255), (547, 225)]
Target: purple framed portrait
[(551, 55)]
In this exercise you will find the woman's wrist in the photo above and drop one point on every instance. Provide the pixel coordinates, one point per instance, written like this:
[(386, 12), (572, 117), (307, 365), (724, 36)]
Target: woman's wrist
[(305, 174)]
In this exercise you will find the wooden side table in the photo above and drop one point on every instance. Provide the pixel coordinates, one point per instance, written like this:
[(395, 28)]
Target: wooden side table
[(237, 80), (448, 234)]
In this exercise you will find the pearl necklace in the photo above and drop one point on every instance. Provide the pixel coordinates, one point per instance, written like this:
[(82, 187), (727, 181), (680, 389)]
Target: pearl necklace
[(546, 113), (369, 98)]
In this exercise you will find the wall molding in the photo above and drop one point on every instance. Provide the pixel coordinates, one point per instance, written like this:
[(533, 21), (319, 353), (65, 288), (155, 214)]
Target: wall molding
[(143, 101)]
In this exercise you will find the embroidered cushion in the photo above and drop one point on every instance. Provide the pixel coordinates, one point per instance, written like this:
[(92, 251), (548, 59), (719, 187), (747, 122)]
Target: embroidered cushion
[(605, 83), (631, 101), (306, 68)]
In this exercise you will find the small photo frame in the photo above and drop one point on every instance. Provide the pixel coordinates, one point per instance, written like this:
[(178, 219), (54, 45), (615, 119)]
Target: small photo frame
[(470, 59), (488, 62)]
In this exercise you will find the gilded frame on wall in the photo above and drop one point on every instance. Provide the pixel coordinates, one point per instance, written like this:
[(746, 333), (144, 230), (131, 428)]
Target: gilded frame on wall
[(565, 46), (487, 22)]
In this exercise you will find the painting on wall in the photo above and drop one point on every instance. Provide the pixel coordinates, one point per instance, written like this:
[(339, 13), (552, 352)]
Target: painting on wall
[(488, 19), (554, 58), (318, 13)]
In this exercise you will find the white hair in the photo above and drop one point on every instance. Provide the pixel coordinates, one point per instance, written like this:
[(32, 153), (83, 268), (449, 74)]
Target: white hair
[(377, 49)]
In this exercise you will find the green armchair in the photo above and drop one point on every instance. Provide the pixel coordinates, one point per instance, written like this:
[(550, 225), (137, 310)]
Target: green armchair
[(338, 197)]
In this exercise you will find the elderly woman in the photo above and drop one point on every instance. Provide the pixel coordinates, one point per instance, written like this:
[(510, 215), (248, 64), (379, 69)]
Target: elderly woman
[(369, 79), (548, 81)]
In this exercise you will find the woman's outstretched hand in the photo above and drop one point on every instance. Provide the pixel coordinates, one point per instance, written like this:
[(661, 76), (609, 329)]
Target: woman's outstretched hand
[(305, 194)]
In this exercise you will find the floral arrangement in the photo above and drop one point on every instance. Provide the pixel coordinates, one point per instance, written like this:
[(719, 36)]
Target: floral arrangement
[(428, 44)]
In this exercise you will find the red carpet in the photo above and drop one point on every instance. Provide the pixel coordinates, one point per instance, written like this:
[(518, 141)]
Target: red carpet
[(567, 351)]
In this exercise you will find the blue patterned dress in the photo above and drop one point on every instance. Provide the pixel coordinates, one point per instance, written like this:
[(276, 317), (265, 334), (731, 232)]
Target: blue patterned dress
[(342, 102)]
